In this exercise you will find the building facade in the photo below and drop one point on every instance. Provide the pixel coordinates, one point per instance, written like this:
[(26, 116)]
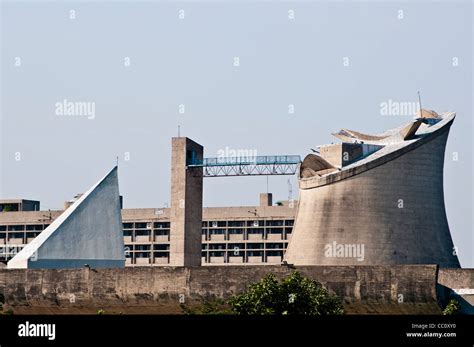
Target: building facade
[(376, 199), (230, 235)]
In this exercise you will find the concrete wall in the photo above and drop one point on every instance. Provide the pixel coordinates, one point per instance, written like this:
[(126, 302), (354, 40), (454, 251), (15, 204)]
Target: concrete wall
[(186, 203), (457, 284), (395, 210), (341, 154), (364, 289), (89, 232)]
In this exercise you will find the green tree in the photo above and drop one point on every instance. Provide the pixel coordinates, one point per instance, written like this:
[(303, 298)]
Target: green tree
[(294, 295), (452, 308)]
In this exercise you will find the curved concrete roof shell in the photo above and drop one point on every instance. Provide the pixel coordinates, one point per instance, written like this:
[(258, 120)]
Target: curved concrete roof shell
[(394, 146), (382, 208)]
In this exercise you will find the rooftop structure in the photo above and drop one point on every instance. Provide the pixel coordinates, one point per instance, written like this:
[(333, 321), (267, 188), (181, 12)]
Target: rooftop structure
[(15, 205)]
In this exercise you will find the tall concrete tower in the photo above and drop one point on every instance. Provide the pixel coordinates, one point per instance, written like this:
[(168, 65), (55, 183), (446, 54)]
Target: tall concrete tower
[(186, 203)]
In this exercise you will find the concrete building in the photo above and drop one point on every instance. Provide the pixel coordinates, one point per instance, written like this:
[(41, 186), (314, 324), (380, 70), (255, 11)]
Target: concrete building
[(370, 200), (15, 205), (376, 199), (88, 232), (229, 235)]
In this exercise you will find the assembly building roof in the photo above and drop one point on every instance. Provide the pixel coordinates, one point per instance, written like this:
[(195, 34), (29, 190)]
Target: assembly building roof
[(392, 143)]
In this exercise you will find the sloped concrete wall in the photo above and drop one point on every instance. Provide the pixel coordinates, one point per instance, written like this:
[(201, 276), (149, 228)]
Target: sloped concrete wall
[(162, 289), (395, 211), (89, 232)]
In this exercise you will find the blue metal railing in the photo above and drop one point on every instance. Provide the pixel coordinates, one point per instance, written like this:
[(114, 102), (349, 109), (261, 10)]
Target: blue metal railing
[(248, 160)]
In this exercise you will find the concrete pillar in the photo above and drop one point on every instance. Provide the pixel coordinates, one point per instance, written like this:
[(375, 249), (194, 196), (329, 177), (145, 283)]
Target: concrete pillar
[(186, 203), (266, 199)]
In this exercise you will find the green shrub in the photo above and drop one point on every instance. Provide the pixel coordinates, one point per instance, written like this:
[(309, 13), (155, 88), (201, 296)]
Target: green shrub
[(294, 295), (452, 308)]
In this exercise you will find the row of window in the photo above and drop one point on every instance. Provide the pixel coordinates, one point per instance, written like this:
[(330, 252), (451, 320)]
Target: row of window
[(211, 232), (142, 254), (160, 247), (17, 235), (241, 254), (212, 224), (147, 225), (243, 246), (213, 254), (21, 227), (166, 225), (145, 232), (248, 223), (249, 231), (21, 236)]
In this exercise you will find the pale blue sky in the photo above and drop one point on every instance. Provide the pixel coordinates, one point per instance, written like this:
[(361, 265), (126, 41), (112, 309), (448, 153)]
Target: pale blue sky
[(190, 61)]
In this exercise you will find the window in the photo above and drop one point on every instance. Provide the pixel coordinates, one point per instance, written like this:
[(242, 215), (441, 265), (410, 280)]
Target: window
[(161, 232), (236, 223), (236, 249), (191, 157), (161, 225), (274, 230), (274, 253), (34, 227), (142, 247), (9, 207), (217, 231), (16, 227), (255, 246), (274, 245), (16, 235), (255, 231), (127, 233), (255, 223), (128, 225), (236, 231), (274, 223), (142, 233), (289, 222), (217, 246), (161, 247)]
